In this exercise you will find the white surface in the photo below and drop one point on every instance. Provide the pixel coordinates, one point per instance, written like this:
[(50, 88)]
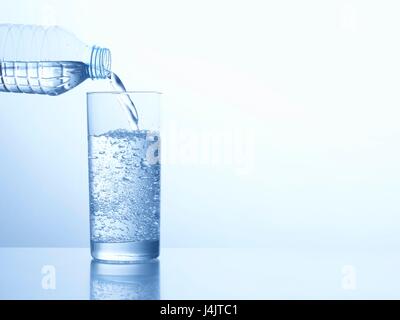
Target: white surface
[(216, 274)]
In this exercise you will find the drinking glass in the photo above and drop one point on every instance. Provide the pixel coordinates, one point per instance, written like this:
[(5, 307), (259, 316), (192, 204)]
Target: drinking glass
[(124, 175)]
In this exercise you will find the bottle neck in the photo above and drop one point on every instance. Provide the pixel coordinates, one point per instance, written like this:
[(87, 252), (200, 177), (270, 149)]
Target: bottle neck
[(100, 63)]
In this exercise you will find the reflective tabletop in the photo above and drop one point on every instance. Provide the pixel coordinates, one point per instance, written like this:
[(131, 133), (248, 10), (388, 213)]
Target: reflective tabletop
[(70, 273)]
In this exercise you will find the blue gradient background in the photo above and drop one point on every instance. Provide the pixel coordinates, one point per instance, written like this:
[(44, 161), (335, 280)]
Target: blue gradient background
[(316, 81)]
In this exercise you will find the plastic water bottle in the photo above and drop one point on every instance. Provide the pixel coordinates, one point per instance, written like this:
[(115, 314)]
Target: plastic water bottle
[(47, 60)]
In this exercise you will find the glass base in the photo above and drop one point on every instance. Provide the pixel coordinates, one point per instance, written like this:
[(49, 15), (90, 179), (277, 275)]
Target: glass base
[(125, 251)]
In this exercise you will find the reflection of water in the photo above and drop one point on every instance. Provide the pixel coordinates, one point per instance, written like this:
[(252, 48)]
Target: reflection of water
[(120, 281)]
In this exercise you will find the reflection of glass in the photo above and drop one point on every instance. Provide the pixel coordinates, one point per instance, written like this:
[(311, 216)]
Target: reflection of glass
[(120, 281)]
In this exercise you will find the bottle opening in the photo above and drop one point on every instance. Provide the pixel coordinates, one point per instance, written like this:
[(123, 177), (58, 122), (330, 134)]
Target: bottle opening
[(100, 63)]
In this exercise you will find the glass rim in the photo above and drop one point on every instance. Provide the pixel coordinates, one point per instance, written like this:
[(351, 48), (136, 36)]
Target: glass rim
[(123, 92)]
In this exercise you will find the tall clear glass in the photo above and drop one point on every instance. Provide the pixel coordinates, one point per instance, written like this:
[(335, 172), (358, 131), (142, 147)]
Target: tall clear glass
[(124, 176)]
